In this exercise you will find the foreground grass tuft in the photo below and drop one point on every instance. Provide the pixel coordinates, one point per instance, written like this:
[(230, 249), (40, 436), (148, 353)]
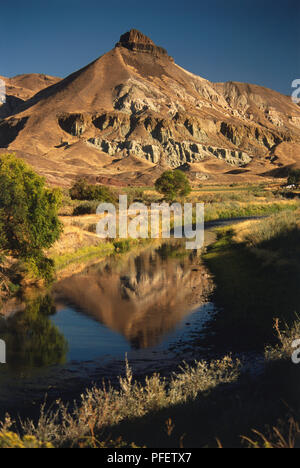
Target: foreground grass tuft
[(102, 408)]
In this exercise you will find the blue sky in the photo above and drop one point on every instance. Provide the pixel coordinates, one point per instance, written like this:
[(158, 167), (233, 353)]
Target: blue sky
[(221, 40)]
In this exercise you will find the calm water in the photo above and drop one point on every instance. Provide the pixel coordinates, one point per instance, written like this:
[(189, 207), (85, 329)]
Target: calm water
[(149, 305), (138, 305), (89, 340)]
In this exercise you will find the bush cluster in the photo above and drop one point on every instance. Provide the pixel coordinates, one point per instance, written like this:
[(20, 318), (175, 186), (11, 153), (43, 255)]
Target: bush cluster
[(86, 208), (294, 177), (82, 190)]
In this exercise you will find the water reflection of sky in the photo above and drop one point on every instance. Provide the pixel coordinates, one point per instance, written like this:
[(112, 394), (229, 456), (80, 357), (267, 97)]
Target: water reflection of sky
[(89, 340)]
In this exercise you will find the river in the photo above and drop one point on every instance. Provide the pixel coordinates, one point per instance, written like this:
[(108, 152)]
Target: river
[(147, 306)]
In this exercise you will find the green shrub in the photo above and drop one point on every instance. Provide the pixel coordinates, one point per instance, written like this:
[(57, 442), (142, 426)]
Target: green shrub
[(138, 194), (82, 190), (39, 266), (173, 184), (294, 177), (85, 208), (134, 194), (122, 246)]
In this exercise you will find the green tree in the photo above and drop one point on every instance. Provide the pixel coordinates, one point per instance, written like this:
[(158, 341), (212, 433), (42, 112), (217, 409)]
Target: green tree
[(173, 184), (80, 189), (294, 177), (28, 214)]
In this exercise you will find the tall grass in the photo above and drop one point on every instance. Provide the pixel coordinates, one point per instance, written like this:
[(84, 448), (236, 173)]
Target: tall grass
[(273, 227), (230, 210), (286, 335), (284, 436)]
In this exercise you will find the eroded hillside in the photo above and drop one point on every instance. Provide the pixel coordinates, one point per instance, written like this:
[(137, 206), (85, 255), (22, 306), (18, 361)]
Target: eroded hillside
[(136, 104)]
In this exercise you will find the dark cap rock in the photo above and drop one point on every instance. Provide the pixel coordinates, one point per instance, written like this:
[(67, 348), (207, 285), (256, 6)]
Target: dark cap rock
[(136, 41)]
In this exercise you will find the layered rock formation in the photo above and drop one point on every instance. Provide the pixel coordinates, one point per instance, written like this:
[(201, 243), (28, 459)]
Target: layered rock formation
[(134, 103), (136, 41)]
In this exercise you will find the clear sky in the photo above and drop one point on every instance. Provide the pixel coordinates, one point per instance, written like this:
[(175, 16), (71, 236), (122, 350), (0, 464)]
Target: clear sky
[(255, 41)]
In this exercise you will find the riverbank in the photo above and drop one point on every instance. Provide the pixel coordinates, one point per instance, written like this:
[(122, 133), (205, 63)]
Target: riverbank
[(79, 242), (256, 267)]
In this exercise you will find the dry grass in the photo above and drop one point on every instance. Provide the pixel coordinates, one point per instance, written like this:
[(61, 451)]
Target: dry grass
[(286, 335), (101, 408), (257, 232), (234, 209), (285, 436)]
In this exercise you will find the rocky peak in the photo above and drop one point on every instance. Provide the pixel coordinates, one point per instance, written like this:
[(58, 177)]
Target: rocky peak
[(135, 36), (136, 41)]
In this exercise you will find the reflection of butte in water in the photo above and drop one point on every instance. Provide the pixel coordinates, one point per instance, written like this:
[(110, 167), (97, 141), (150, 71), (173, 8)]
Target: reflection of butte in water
[(143, 298)]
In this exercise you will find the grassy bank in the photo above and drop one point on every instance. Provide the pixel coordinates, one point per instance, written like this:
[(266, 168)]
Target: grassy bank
[(103, 409), (230, 210), (257, 274), (101, 250), (83, 254)]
